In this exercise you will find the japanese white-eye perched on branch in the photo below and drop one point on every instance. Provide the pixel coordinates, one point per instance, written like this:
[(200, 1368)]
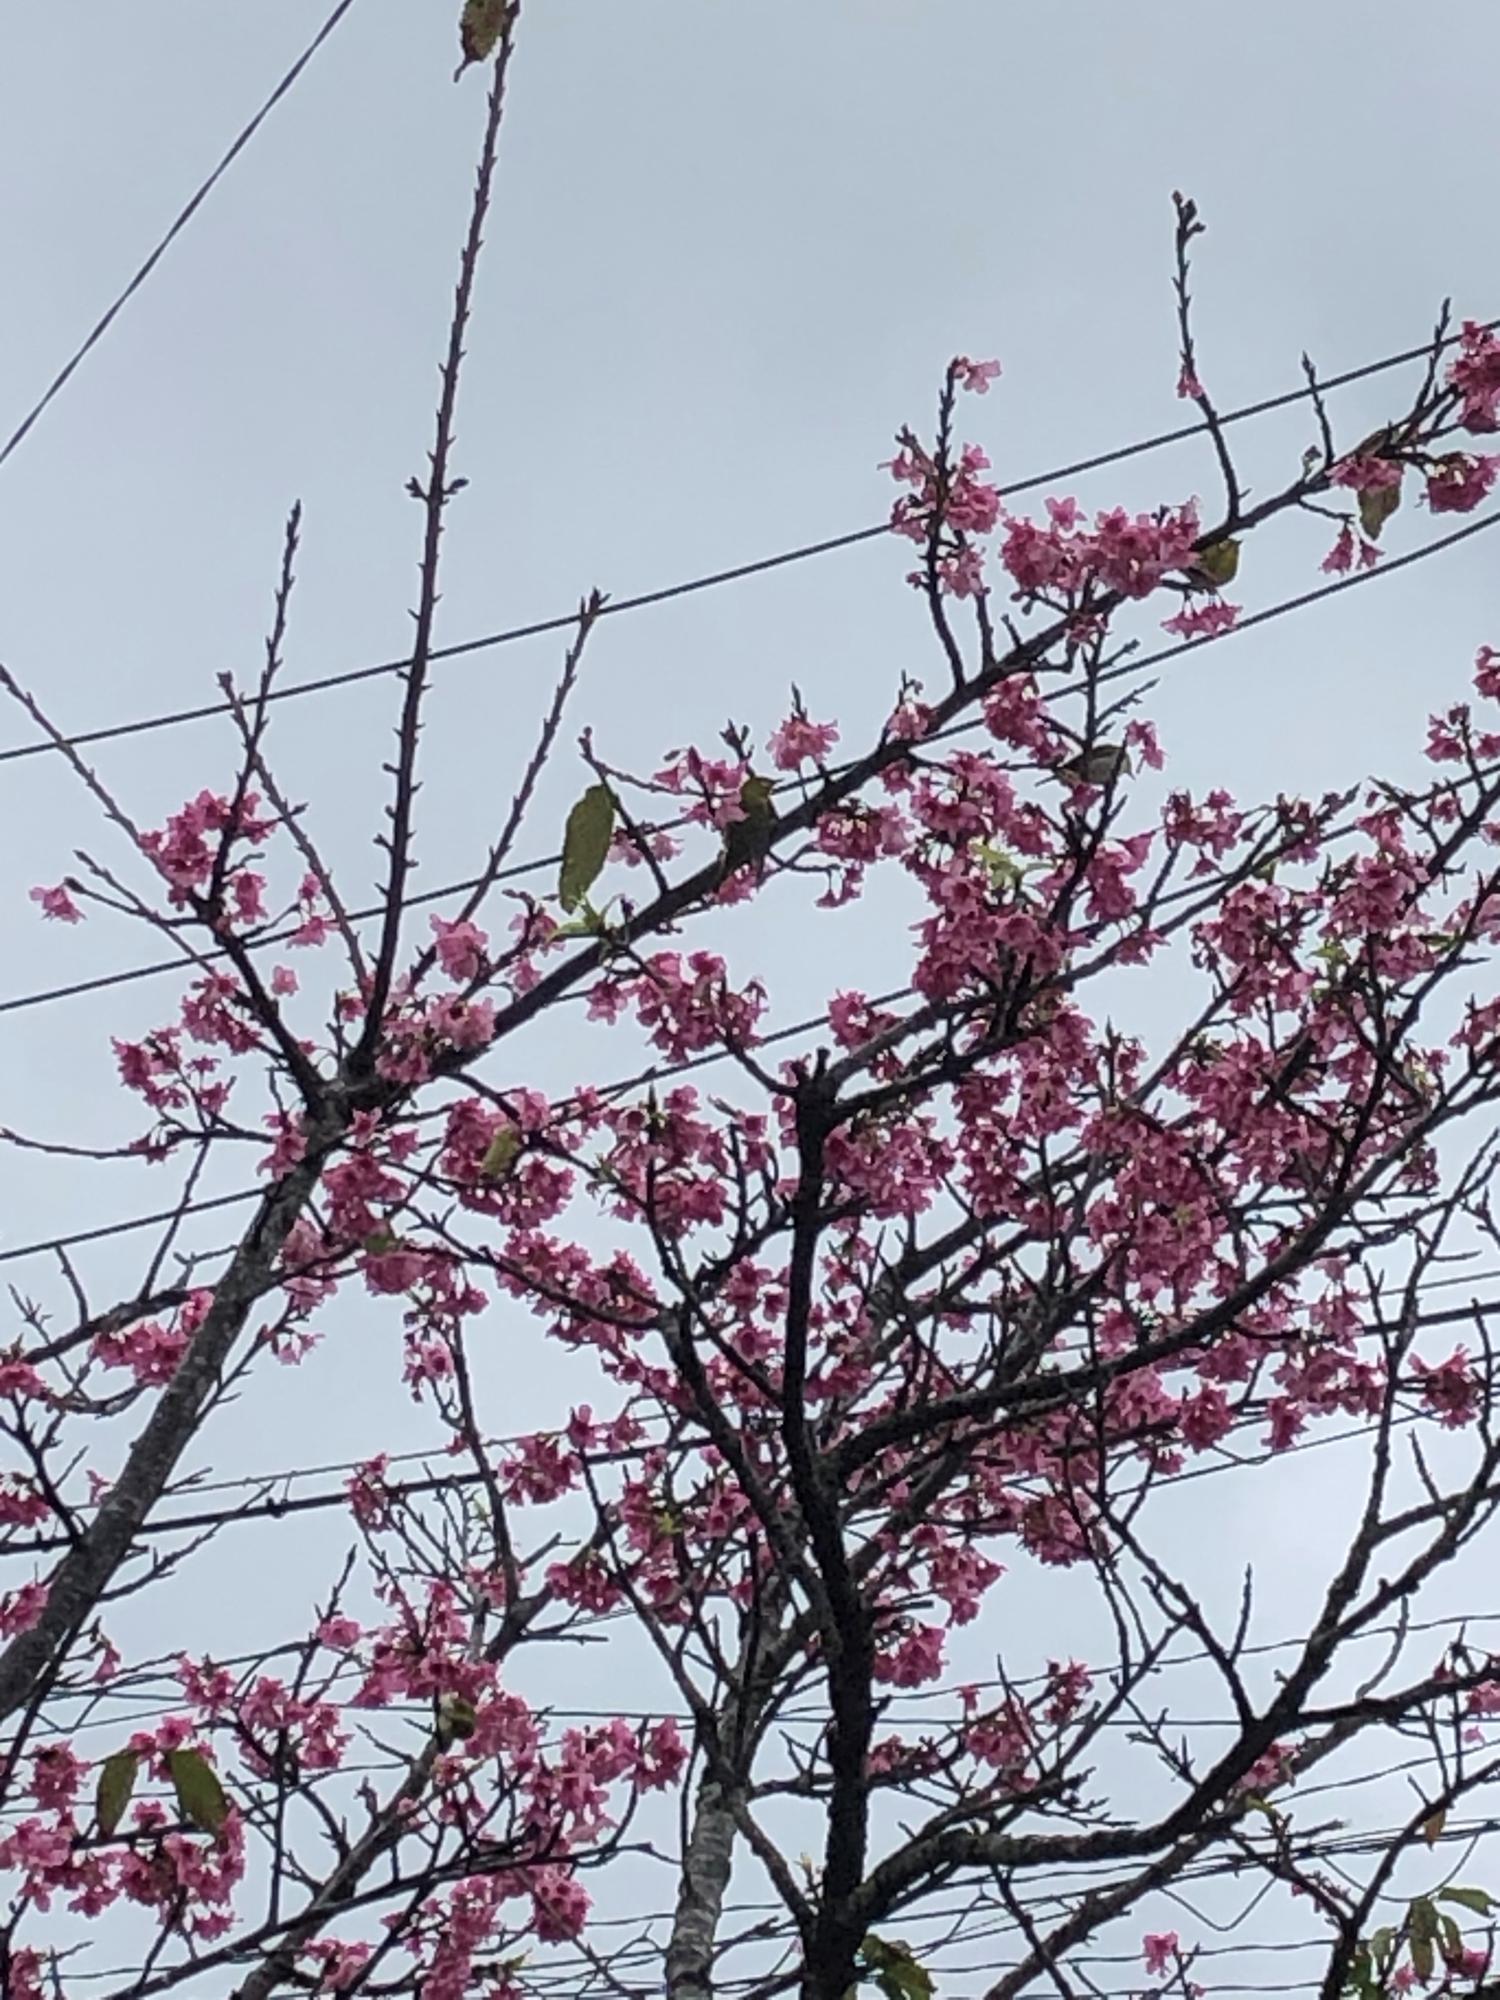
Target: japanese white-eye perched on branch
[(1099, 764), (747, 840)]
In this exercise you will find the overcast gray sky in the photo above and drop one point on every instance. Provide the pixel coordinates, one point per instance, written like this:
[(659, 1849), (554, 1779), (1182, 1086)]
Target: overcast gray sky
[(733, 247)]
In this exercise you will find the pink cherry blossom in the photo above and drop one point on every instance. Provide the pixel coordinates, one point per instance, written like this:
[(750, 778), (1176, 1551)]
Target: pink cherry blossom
[(57, 903), (1458, 482), (1159, 1950), (975, 375)]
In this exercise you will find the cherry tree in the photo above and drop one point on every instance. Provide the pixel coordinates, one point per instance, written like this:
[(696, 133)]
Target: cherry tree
[(854, 1325)]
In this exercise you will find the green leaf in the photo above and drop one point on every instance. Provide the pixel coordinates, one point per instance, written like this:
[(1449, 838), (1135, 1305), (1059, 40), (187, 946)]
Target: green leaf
[(1423, 1957), (1422, 1926), (1376, 506), (1099, 765), (591, 826), (500, 1155), (895, 1971), (117, 1776), (748, 840), (1480, 1901), (1219, 564), (479, 29), (199, 1793), (1450, 1939)]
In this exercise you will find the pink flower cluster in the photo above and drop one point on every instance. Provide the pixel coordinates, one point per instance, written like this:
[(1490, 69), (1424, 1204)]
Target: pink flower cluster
[(1474, 377), (186, 1877), (685, 1005), (1048, 1155), (1128, 553), (193, 852), (150, 1349)]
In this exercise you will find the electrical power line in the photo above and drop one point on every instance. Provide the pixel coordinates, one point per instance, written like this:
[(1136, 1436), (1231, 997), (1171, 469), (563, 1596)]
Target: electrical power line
[(209, 1203), (159, 968), (131, 975), (92, 339), (567, 621), (1162, 655), (271, 1507), (563, 623), (135, 1222), (155, 1684), (423, 1456)]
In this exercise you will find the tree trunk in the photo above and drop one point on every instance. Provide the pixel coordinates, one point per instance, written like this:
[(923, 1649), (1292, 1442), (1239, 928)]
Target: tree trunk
[(700, 1897)]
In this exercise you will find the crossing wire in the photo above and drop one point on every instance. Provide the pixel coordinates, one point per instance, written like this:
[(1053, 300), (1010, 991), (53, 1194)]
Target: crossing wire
[(1136, 664), (182, 1210), (97, 333), (566, 621), (1162, 655)]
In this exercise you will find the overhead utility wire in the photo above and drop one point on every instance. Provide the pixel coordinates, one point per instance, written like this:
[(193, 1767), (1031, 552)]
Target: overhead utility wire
[(565, 621), (1281, 609), (802, 1027), (101, 982), (92, 339)]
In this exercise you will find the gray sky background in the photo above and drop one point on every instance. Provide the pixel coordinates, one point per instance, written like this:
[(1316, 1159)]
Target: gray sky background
[(733, 248)]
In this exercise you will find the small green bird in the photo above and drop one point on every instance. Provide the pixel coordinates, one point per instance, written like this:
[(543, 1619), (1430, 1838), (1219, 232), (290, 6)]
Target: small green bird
[(747, 840), (1099, 765)]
